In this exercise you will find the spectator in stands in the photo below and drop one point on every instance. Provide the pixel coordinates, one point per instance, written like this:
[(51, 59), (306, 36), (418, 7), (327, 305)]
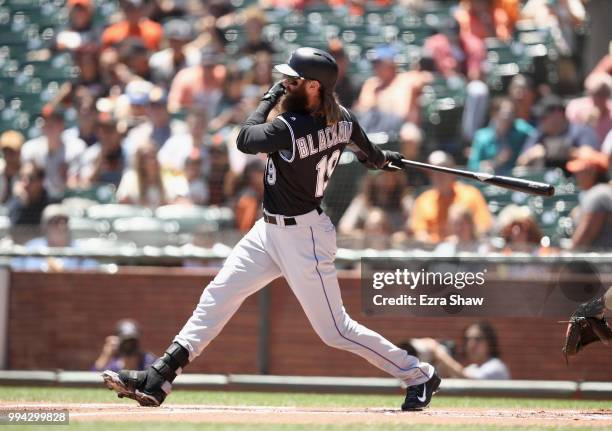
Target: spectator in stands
[(593, 217), (606, 147), (519, 228), (145, 185), (58, 157), (110, 71), (285, 4), (258, 74), (384, 190), (250, 196), (411, 142), (199, 85), (475, 109), (164, 11), (217, 175), (105, 161), (10, 163), (198, 189), (556, 138), (230, 110), (561, 18), (596, 108), (134, 24), (210, 34), (158, 127), (30, 197), (384, 100), (131, 106), (174, 153), (166, 63), (429, 218), (456, 53), (56, 233), (486, 18), (255, 20), (377, 231), (604, 65), (377, 228), (123, 351), (357, 7), (87, 114), (463, 235), (496, 148), (522, 93), (345, 88), (134, 54), (80, 30), (481, 351), (89, 80)]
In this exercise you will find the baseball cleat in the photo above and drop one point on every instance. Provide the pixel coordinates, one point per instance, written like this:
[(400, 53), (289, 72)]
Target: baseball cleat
[(133, 384), (419, 396)]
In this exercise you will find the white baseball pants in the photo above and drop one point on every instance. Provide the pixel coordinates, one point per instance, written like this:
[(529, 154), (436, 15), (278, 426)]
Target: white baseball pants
[(304, 255)]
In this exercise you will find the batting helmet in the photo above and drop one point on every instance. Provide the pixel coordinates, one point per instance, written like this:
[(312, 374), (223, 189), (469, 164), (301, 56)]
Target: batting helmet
[(311, 63)]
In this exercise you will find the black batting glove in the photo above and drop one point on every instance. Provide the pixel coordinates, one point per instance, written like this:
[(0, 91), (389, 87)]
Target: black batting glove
[(275, 92), (393, 161)]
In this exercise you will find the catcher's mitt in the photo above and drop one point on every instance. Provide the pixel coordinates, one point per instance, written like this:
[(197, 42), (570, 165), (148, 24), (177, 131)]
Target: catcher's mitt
[(586, 326)]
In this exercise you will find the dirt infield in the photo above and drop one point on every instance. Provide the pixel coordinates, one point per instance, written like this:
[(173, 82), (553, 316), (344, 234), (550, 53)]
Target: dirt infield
[(301, 415)]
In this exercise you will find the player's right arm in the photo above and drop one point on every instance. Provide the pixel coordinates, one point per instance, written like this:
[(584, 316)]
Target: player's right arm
[(257, 136)]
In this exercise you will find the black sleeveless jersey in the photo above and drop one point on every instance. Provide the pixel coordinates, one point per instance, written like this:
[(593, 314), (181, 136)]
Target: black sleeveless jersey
[(302, 154)]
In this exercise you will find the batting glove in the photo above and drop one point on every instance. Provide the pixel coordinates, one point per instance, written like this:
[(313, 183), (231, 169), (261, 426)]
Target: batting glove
[(275, 92), (393, 161)]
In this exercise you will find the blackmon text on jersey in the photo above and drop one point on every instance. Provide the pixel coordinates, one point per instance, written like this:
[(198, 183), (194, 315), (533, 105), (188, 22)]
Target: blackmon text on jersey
[(337, 133)]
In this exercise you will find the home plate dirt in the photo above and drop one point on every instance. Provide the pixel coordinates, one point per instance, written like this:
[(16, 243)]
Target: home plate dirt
[(323, 415)]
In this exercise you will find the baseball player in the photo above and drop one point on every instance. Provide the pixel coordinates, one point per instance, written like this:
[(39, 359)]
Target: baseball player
[(294, 238)]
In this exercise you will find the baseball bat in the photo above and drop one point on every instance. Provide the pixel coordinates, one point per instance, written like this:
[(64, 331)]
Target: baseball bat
[(520, 185)]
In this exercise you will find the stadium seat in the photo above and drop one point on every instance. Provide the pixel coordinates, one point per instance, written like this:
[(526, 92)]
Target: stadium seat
[(77, 206), (88, 228), (144, 231), (111, 212), (106, 247), (188, 218), (103, 193)]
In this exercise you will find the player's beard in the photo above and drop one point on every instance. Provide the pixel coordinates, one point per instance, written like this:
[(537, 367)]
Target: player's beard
[(296, 101)]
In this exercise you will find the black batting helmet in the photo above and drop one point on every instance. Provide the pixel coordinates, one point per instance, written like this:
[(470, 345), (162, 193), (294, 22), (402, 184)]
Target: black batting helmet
[(311, 63)]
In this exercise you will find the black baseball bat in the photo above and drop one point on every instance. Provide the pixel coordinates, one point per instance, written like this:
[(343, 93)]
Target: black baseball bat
[(520, 185)]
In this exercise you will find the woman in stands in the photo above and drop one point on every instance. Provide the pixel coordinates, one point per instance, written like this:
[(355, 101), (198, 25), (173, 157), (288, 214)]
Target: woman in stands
[(481, 352), (144, 184)]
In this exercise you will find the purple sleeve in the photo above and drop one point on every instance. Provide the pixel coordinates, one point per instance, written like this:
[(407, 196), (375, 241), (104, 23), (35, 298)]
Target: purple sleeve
[(113, 365), (148, 360)]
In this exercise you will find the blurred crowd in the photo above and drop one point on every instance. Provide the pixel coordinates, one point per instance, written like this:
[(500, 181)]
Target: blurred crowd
[(158, 100)]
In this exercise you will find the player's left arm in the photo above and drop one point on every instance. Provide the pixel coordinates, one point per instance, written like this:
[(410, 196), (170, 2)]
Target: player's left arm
[(369, 154), (258, 136)]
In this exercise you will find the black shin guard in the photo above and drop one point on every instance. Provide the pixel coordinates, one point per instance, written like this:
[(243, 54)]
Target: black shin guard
[(176, 357)]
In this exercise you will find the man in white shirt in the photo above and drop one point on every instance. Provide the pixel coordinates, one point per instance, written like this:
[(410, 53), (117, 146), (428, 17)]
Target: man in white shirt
[(59, 157)]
